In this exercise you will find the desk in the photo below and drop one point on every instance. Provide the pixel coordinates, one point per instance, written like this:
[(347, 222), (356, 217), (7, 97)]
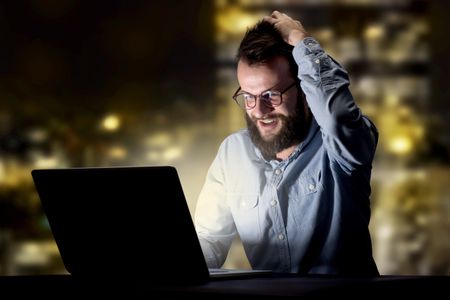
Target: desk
[(276, 285)]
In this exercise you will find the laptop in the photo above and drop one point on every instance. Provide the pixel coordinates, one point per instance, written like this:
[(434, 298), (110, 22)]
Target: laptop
[(124, 223)]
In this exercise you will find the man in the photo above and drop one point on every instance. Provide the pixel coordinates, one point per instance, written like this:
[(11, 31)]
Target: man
[(295, 184)]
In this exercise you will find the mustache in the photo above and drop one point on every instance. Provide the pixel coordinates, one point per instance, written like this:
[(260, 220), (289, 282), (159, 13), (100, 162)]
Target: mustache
[(268, 116)]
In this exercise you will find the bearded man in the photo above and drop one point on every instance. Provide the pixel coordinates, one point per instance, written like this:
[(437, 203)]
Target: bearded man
[(295, 184)]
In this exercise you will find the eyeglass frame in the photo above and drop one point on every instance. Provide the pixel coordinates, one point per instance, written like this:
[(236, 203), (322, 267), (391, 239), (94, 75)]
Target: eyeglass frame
[(244, 106)]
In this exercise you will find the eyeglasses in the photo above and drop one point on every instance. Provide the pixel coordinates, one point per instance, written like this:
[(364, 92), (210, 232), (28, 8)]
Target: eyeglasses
[(248, 101)]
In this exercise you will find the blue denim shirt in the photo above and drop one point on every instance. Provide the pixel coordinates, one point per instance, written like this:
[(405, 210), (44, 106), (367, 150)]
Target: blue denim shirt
[(309, 213)]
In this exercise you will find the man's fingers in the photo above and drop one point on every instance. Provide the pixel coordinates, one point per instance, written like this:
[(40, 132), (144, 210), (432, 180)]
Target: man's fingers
[(276, 14), (269, 19), (274, 17)]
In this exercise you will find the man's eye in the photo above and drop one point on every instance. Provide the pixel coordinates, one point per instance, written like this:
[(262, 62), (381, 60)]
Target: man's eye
[(267, 95), (247, 97)]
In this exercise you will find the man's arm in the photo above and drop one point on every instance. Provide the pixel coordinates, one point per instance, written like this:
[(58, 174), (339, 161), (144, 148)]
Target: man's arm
[(349, 136), (213, 220)]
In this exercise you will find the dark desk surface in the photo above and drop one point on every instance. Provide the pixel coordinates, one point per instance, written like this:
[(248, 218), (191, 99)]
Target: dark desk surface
[(277, 285)]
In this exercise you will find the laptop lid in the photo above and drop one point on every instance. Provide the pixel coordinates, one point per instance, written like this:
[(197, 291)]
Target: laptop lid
[(122, 222)]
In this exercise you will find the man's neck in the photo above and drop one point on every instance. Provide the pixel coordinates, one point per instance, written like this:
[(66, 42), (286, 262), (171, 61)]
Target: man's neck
[(284, 154)]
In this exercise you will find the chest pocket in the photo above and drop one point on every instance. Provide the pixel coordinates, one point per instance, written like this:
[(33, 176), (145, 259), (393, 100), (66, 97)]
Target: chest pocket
[(306, 199), (245, 210)]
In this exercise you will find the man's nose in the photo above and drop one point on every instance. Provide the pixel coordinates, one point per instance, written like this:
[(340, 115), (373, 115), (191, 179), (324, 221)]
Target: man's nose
[(262, 108)]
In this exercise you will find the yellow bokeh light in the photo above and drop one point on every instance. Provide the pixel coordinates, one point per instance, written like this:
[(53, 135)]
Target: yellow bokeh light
[(233, 20), (111, 122), (159, 139), (374, 32), (401, 145), (172, 153), (117, 152)]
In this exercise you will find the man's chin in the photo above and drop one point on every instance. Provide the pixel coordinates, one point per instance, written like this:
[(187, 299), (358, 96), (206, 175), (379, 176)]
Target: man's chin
[(268, 136)]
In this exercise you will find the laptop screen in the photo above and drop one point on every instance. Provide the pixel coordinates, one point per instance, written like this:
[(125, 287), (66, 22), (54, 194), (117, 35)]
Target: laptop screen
[(122, 222)]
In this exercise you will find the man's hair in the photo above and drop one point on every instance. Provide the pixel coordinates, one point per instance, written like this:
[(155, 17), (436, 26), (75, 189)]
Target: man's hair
[(262, 43)]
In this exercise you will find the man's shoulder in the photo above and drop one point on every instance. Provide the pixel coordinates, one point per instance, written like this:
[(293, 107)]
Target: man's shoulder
[(237, 149), (237, 141), (240, 136)]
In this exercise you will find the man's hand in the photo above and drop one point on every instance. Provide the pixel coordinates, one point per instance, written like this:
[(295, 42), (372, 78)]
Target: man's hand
[(291, 30)]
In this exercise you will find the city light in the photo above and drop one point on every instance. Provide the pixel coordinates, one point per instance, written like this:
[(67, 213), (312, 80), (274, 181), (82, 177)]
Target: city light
[(401, 145), (111, 122)]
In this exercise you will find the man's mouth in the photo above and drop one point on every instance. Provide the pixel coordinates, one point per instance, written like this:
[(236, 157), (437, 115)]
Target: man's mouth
[(268, 123)]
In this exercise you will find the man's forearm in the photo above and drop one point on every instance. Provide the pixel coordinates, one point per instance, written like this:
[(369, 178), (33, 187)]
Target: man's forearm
[(349, 136)]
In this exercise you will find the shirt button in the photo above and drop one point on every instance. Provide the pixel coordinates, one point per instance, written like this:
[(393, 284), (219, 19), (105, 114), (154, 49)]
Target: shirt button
[(317, 61), (277, 171), (273, 202), (311, 186), (281, 237)]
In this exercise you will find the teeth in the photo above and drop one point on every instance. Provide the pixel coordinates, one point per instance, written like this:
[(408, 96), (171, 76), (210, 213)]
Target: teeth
[(268, 121)]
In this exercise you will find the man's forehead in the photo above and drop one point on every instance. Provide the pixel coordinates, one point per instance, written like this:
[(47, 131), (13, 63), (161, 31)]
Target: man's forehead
[(258, 77)]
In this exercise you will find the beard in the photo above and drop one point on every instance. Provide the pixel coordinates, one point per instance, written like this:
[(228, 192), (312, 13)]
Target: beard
[(293, 131)]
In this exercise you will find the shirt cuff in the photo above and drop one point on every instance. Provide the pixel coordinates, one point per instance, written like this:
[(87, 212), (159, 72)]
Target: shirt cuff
[(311, 59), (307, 46)]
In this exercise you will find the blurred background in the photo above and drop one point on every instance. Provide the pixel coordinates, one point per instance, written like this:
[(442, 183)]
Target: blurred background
[(103, 83)]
